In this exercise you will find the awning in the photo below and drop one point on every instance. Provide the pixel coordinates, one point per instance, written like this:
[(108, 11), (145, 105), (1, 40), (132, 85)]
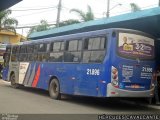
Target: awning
[(145, 20), (4, 4)]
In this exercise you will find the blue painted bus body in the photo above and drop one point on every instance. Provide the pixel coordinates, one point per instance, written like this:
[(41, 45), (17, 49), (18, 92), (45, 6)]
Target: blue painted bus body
[(77, 78), (73, 78)]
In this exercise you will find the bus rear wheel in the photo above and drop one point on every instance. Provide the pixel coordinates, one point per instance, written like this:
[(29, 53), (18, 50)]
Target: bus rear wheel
[(13, 81), (54, 89)]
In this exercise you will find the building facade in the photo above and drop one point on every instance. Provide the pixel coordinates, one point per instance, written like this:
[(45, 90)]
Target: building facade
[(10, 37)]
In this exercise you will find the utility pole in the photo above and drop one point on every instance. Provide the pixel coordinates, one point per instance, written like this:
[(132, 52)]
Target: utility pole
[(159, 3), (108, 5), (58, 13)]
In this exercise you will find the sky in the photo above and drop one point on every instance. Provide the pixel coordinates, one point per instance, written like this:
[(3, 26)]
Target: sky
[(31, 12)]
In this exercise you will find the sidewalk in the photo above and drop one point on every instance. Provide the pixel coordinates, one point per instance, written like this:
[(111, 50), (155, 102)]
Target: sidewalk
[(154, 106)]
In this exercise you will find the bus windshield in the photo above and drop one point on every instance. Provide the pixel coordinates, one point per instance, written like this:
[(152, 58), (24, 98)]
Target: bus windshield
[(135, 46), (2, 51)]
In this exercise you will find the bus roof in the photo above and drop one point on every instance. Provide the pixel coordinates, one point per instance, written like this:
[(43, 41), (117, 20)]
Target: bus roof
[(96, 32)]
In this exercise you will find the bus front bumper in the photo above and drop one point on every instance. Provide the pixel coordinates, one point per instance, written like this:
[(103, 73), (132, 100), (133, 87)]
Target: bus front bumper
[(116, 92)]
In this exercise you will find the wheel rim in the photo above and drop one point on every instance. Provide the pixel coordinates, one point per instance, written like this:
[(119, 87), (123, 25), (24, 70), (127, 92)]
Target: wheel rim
[(55, 88)]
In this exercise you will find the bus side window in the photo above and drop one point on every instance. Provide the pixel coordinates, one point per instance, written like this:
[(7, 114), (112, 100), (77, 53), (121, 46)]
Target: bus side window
[(6, 56), (35, 53), (41, 52), (62, 46), (8, 49), (15, 53), (30, 52), (94, 50), (48, 47), (46, 54), (42, 47), (36, 47), (56, 52), (73, 51), (86, 44), (23, 53)]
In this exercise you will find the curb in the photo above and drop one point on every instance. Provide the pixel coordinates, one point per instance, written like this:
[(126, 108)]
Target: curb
[(141, 104), (152, 106)]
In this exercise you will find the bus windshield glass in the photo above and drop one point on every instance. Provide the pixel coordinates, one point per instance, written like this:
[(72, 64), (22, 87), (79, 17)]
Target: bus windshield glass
[(2, 51), (135, 46)]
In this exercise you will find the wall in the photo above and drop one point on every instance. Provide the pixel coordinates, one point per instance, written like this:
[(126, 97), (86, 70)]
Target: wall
[(9, 37)]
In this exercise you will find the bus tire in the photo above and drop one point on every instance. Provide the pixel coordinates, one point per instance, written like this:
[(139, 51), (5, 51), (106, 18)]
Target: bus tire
[(54, 89), (13, 82)]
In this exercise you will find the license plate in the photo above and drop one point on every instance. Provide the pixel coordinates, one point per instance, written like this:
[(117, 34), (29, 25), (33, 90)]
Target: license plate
[(135, 86)]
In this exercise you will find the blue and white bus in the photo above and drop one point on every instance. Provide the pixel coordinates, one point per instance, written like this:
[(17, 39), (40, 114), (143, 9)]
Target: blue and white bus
[(103, 63)]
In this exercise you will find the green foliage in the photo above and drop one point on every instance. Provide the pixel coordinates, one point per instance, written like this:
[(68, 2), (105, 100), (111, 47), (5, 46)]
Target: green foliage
[(41, 27), (134, 7), (84, 16), (68, 22), (6, 22)]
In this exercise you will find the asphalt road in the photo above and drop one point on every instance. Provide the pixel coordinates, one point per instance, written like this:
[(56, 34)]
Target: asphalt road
[(35, 101)]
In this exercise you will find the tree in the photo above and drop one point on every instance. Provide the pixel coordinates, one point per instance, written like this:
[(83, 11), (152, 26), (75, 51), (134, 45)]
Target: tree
[(134, 7), (68, 22), (41, 27), (84, 16), (6, 22)]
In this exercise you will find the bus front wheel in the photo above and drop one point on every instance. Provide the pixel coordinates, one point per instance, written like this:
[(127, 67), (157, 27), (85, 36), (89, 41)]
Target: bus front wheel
[(54, 89), (13, 81)]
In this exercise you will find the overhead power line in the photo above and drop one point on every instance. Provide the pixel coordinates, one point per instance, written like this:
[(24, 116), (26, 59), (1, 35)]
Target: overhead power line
[(33, 13), (126, 11), (30, 26), (35, 9), (34, 24)]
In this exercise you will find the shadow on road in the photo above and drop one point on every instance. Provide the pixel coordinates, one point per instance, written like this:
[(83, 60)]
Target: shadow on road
[(31, 90), (114, 104)]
